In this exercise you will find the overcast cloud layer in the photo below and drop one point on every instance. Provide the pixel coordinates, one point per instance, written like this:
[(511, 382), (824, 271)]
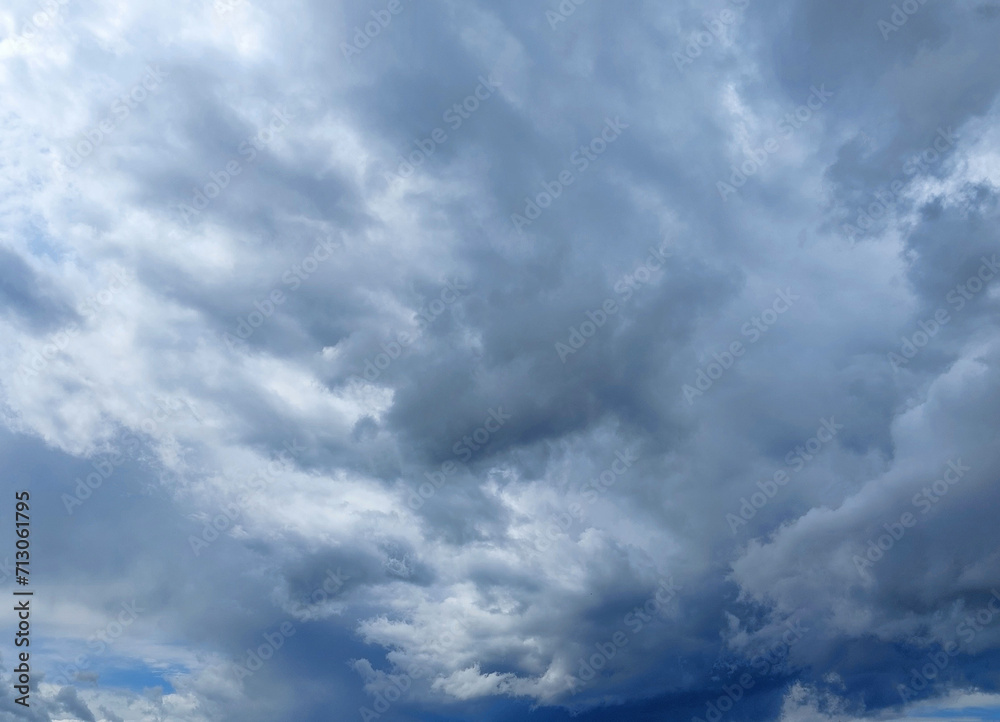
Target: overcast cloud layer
[(467, 360)]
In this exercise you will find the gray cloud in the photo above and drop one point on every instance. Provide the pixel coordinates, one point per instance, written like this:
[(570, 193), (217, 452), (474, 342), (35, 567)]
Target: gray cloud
[(453, 469)]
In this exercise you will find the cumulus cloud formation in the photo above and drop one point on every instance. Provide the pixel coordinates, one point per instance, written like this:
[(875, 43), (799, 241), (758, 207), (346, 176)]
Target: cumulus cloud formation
[(468, 360)]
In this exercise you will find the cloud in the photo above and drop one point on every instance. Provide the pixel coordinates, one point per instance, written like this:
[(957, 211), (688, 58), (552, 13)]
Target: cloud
[(250, 352)]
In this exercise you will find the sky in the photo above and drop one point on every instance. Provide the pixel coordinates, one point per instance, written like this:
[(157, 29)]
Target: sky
[(464, 360)]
